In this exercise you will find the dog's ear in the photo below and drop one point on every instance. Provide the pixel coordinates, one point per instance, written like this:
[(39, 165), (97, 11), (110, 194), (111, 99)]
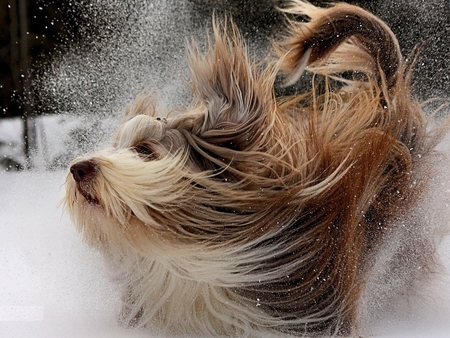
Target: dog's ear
[(143, 104), (233, 95)]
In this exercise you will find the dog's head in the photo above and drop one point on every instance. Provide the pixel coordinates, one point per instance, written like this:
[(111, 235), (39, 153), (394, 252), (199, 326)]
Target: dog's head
[(178, 174)]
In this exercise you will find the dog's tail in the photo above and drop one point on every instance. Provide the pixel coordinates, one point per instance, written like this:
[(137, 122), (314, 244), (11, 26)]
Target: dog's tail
[(339, 39)]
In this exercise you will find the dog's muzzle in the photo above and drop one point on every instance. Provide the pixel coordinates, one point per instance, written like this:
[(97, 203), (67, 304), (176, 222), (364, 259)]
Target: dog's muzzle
[(84, 173), (83, 170)]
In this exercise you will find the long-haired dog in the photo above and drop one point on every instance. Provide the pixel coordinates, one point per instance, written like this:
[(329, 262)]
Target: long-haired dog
[(251, 214)]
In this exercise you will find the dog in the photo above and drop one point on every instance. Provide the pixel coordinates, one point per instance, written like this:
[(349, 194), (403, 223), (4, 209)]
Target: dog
[(251, 214)]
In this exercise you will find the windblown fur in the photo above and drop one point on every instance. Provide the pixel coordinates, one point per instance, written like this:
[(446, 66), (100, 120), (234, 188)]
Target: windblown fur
[(248, 214)]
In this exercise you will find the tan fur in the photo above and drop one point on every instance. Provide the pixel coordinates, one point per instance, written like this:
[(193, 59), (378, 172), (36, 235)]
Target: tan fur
[(250, 215)]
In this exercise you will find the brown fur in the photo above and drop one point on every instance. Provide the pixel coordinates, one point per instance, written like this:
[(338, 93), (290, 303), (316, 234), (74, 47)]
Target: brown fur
[(250, 199)]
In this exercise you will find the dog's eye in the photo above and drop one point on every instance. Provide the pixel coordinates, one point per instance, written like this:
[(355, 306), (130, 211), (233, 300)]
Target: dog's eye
[(144, 151)]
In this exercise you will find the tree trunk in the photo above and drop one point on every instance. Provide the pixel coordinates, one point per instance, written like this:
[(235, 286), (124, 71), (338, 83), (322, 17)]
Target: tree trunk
[(20, 67)]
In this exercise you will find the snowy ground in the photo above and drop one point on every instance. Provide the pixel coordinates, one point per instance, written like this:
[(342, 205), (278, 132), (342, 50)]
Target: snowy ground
[(53, 285)]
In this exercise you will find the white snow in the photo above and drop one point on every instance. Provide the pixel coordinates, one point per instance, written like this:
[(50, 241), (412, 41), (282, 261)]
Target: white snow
[(53, 285)]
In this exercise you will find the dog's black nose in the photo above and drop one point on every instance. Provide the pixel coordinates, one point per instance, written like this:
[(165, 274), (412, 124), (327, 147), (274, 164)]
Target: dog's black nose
[(82, 170)]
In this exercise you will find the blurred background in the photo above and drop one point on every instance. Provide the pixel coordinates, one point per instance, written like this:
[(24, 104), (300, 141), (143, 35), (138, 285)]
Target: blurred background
[(69, 67)]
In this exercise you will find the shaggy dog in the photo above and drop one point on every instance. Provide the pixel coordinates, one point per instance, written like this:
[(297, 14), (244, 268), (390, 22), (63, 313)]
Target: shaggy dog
[(248, 214)]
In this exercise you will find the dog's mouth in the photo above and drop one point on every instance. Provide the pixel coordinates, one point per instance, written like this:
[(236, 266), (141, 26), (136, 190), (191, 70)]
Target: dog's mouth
[(87, 193), (83, 173)]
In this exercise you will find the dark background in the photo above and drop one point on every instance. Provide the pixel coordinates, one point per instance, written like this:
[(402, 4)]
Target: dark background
[(32, 32)]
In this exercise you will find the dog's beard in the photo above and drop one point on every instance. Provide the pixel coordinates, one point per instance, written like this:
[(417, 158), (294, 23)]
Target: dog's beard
[(120, 202)]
